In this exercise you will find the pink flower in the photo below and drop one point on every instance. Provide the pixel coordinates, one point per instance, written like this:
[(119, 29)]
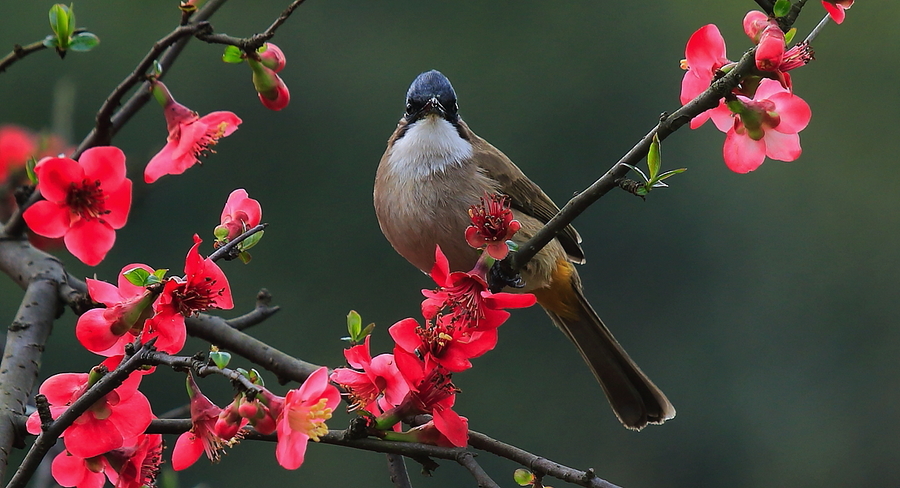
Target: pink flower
[(704, 56), (273, 57), (136, 464), (378, 385), (71, 470), (203, 287), (120, 415), (202, 437), (240, 214), (303, 418), (770, 50), (836, 9), (85, 201), (105, 331), (755, 22), (768, 125), (273, 93), (16, 146), (190, 136), (492, 225)]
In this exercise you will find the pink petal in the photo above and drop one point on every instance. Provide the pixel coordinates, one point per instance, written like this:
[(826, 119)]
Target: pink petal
[(59, 388), (693, 83), (103, 292), (104, 163), (132, 416), (169, 328), (359, 356), (767, 88), (89, 241), (92, 437), (161, 164), (794, 112), (835, 11), (213, 119), (404, 334), (705, 48), (188, 449), (440, 272), (722, 117), (118, 203), (783, 147), (743, 154), (48, 219), (291, 449), (454, 427), (69, 470), (94, 332), (55, 176)]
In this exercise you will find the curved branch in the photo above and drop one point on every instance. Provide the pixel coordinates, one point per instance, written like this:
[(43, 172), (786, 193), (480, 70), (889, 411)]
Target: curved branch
[(20, 52), (262, 311), (229, 250), (398, 472), (254, 42), (21, 360)]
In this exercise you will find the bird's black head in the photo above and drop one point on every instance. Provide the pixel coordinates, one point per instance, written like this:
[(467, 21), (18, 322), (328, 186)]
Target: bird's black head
[(431, 93)]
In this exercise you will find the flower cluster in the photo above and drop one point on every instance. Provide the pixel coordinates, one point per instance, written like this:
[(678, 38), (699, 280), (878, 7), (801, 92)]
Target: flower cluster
[(762, 117), (461, 318)]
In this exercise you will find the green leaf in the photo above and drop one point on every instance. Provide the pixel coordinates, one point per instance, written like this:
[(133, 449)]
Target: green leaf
[(671, 173), (643, 191), (789, 36), (51, 41), (71, 25), (84, 42), (654, 160), (252, 240), (29, 170), (636, 169), (59, 24), (354, 325), (523, 477), (233, 55), (781, 8), (220, 358), (137, 276), (161, 273), (366, 331), (255, 378), (245, 257)]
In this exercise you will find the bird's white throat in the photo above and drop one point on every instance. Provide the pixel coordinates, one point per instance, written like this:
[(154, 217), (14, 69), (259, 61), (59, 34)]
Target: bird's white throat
[(429, 145)]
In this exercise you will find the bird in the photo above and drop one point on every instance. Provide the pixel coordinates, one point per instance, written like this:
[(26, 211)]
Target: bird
[(434, 170)]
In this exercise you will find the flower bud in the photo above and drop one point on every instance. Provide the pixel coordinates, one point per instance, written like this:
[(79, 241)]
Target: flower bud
[(272, 58), (755, 22)]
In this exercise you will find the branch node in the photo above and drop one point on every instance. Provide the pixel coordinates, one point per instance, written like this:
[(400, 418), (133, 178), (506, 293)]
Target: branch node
[(631, 186), (43, 408)]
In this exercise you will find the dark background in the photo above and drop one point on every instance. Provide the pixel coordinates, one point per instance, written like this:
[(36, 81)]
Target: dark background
[(764, 304)]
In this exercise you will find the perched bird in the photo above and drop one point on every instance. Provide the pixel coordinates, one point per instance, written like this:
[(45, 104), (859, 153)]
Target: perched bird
[(434, 169)]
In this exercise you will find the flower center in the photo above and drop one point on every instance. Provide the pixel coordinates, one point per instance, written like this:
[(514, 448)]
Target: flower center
[(310, 420), (87, 200), (196, 298)]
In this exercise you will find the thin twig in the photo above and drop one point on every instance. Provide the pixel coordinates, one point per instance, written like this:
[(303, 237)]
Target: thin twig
[(709, 99), (254, 42), (202, 368), (20, 52), (397, 470), (263, 310), (467, 460), (226, 250)]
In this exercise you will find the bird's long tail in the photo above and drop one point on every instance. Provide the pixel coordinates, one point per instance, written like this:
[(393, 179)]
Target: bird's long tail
[(633, 397)]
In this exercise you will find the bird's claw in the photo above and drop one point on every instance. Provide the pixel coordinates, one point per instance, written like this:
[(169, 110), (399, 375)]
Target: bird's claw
[(502, 275)]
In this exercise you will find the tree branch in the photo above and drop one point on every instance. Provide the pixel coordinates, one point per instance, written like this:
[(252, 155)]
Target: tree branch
[(22, 358), (262, 311), (254, 42), (20, 52), (398, 472)]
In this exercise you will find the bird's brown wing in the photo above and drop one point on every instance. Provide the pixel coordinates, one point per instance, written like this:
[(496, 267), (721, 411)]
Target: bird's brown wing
[(525, 195)]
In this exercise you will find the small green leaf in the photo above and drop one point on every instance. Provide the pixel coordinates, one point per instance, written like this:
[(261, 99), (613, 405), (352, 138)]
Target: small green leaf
[(523, 477), (637, 170), (245, 257), (59, 20), (251, 241), (643, 190), (781, 8), (220, 358), (71, 17), (354, 325), (671, 173), (137, 276), (654, 159), (233, 55), (255, 378), (366, 331), (51, 41), (157, 67), (789, 36), (513, 247), (84, 42), (29, 170), (161, 273)]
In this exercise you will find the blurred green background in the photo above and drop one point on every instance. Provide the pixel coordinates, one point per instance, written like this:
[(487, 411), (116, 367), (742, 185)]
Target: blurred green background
[(764, 305)]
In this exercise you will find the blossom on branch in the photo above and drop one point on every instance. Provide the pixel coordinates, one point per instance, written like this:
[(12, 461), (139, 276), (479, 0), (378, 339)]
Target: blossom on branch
[(190, 136), (836, 8), (273, 93), (240, 214), (377, 386), (704, 57), (303, 417), (767, 125), (202, 437), (136, 464), (492, 225), (85, 201)]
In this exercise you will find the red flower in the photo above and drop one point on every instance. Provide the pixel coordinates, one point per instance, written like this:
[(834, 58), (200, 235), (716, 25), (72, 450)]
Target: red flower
[(303, 418), (71, 470), (240, 214), (704, 56), (120, 415), (492, 225), (202, 437), (378, 386), (85, 201), (136, 464), (755, 22), (16, 146), (768, 125), (770, 50), (204, 286), (836, 9), (105, 331), (190, 136), (273, 57)]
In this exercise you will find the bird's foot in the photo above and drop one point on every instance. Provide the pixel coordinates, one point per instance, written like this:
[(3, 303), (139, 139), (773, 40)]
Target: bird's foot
[(502, 275)]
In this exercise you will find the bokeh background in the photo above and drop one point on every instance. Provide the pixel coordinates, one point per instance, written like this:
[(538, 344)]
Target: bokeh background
[(763, 304)]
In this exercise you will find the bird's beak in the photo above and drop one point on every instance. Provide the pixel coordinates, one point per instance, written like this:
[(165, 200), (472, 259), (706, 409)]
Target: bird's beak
[(434, 106)]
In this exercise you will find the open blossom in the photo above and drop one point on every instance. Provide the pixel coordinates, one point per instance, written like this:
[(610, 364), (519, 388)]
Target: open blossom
[(377, 385), (767, 125), (303, 417), (106, 331), (118, 416), (202, 437), (240, 214), (836, 9), (136, 463), (203, 287), (190, 136), (704, 56), (492, 225), (71, 470), (85, 201)]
